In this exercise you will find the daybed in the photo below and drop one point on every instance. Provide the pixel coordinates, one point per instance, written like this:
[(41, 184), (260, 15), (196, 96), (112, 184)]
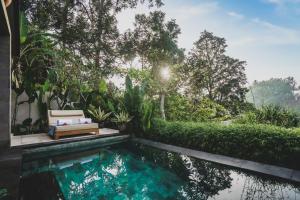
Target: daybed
[(57, 130)]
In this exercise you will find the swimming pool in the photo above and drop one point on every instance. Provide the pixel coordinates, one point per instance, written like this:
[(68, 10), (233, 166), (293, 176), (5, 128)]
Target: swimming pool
[(139, 172)]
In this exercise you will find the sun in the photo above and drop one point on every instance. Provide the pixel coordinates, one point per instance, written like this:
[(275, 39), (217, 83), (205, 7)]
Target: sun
[(165, 73)]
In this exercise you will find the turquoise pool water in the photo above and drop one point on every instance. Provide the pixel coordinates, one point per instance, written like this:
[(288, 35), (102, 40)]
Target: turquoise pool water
[(138, 172)]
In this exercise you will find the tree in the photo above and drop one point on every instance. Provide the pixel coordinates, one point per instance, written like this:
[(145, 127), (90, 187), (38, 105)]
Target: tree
[(277, 91), (87, 27), (154, 42), (182, 108), (210, 73)]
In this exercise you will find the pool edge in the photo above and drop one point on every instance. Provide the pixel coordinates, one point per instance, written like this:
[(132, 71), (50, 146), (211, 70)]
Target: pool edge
[(65, 148), (272, 170)]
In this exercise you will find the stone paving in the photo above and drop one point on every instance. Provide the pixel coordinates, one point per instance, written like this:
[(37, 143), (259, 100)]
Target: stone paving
[(43, 138), (285, 173)]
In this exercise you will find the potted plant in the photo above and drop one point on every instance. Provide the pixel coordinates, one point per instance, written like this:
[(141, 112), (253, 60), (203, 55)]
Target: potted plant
[(121, 119), (99, 115)]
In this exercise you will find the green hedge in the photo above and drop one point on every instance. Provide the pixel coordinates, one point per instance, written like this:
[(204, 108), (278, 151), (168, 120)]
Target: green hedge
[(262, 143)]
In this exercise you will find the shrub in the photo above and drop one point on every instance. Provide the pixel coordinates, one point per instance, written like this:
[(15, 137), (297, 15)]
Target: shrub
[(246, 118), (277, 115), (270, 114), (177, 107), (181, 108), (262, 143)]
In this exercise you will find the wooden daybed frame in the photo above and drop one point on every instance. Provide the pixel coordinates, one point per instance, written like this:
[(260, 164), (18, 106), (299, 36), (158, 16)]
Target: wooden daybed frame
[(67, 130)]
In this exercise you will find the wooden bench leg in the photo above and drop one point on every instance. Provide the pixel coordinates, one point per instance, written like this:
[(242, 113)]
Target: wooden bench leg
[(56, 137), (97, 132)]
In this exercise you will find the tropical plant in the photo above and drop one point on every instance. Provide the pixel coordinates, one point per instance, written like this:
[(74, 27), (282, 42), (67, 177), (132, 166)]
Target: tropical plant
[(3, 193), (133, 99), (43, 105), (270, 114), (30, 68), (18, 89), (122, 118), (277, 115), (147, 112), (98, 114), (246, 118)]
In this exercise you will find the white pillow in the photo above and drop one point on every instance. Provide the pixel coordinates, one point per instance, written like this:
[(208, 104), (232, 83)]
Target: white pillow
[(61, 122), (85, 120), (75, 121)]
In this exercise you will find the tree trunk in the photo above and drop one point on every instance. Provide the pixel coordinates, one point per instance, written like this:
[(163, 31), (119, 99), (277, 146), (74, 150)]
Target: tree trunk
[(162, 106), (99, 36)]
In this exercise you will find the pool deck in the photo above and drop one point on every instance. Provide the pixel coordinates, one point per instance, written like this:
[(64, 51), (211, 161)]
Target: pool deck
[(281, 172), (41, 139)]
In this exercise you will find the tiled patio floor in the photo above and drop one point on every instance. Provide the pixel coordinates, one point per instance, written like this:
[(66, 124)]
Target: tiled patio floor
[(43, 138)]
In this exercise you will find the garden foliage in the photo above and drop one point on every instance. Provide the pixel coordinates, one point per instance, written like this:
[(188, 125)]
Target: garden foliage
[(67, 60), (181, 108), (262, 143), (138, 105), (270, 114)]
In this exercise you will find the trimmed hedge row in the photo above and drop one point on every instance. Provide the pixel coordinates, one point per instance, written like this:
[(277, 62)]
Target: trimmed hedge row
[(262, 143)]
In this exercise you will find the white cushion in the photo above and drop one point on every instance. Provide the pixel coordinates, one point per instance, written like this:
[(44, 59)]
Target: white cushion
[(85, 120), (75, 121), (74, 115), (61, 122)]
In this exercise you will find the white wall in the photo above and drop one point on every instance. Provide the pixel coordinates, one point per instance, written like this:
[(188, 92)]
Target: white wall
[(23, 109)]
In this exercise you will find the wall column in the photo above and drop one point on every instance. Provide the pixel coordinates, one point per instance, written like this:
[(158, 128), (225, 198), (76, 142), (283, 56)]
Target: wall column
[(5, 62), (4, 90)]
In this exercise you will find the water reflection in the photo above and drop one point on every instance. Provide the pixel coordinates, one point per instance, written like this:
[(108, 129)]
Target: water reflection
[(206, 180), (140, 172), (258, 188), (202, 179)]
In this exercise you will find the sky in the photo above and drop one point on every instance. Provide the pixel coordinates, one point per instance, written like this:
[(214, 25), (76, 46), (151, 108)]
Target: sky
[(264, 33)]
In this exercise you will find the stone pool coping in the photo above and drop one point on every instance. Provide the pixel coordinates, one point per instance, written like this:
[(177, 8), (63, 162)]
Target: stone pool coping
[(281, 172), (71, 147)]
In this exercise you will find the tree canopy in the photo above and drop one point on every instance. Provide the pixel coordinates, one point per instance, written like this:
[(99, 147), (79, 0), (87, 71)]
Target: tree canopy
[(276, 91), (154, 40), (88, 28), (71, 49), (211, 73)]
